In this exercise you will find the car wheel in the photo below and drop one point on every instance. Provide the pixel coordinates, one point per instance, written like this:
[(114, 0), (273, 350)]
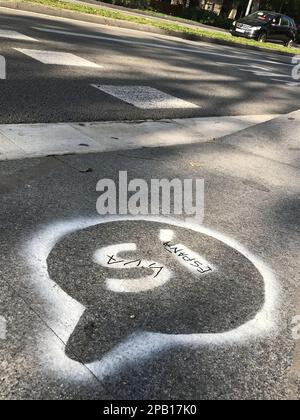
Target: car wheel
[(290, 44), (262, 38)]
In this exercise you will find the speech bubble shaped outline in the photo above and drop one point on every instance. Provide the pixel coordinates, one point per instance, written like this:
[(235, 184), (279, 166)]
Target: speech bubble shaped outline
[(143, 345)]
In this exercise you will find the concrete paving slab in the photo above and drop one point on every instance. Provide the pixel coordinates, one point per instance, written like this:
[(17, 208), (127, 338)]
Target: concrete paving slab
[(277, 139), (44, 139), (36, 140), (9, 149)]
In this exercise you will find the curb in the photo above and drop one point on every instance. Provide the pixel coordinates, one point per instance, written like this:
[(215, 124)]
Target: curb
[(21, 141), (46, 10)]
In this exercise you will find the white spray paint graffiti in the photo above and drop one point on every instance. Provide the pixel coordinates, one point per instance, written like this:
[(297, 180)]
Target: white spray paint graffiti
[(104, 256), (2, 68), (296, 327), (109, 256), (296, 68), (63, 312), (3, 325), (189, 259)]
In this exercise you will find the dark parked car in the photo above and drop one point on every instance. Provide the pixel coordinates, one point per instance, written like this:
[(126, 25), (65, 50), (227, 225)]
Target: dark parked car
[(266, 26)]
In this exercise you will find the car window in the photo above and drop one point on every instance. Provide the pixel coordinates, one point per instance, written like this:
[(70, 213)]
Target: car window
[(284, 21), (276, 20), (262, 16)]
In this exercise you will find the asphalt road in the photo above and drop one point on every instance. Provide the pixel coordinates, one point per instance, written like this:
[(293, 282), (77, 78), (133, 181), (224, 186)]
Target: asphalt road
[(214, 80)]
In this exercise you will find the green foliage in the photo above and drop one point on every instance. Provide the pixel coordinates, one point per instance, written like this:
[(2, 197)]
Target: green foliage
[(133, 4), (192, 13), (289, 7), (207, 17)]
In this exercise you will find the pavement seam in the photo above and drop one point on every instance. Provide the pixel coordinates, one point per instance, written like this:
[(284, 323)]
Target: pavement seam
[(29, 306), (234, 147), (11, 141)]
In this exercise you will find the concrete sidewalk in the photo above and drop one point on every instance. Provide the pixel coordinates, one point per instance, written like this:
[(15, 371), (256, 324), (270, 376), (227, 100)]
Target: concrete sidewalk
[(278, 140), (19, 141)]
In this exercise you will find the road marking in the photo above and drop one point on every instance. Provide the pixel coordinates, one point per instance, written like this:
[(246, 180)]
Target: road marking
[(57, 58), (291, 84), (253, 66), (145, 97), (272, 77), (266, 73), (17, 36), (2, 68), (166, 47)]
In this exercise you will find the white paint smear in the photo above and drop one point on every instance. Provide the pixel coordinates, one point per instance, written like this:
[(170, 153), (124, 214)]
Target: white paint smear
[(290, 84), (145, 97), (63, 312), (57, 58), (166, 235), (190, 260), (266, 73), (17, 36), (2, 328), (132, 285)]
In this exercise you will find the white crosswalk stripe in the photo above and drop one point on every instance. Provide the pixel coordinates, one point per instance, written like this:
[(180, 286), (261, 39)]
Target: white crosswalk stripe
[(286, 79), (145, 97), (291, 84), (57, 58), (17, 36)]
